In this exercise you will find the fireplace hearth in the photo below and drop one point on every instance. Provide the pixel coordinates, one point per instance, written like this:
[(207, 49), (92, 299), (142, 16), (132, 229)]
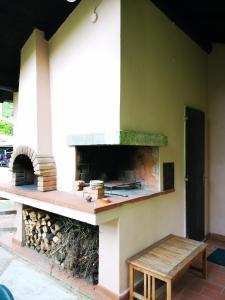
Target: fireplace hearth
[(125, 170)]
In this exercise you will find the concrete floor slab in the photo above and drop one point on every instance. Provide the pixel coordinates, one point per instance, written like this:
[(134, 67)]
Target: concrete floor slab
[(4, 254), (27, 283), (5, 259)]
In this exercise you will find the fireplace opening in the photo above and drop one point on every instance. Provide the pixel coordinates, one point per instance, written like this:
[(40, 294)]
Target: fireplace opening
[(23, 171), (131, 168)]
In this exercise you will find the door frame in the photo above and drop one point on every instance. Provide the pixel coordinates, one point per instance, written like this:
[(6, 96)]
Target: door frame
[(185, 171)]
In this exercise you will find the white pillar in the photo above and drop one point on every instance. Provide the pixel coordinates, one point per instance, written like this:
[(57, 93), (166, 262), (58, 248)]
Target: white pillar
[(109, 263), (19, 236)]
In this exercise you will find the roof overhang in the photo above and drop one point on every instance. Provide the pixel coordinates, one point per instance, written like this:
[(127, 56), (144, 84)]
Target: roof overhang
[(17, 21)]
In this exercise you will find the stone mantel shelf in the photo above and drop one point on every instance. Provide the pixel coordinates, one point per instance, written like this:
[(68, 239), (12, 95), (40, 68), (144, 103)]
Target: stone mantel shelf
[(73, 201), (122, 137)]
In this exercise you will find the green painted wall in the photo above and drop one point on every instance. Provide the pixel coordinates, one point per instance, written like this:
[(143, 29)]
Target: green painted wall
[(162, 71)]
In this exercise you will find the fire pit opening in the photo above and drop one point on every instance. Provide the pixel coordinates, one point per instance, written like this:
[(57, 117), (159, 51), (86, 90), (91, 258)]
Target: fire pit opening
[(120, 167), (24, 171)]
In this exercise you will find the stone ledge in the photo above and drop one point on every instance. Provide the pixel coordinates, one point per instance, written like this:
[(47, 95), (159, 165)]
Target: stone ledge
[(77, 202), (122, 137)]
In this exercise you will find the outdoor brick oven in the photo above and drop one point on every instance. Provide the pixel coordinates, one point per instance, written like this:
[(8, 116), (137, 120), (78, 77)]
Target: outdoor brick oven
[(44, 143), (29, 168)]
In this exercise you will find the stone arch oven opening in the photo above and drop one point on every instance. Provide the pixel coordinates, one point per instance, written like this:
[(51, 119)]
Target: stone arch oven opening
[(24, 171), (32, 169)]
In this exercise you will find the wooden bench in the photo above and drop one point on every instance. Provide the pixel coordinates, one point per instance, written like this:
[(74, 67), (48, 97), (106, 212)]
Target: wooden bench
[(165, 260)]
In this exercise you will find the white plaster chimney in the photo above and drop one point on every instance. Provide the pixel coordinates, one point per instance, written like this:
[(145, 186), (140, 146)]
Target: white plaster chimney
[(32, 155), (34, 111)]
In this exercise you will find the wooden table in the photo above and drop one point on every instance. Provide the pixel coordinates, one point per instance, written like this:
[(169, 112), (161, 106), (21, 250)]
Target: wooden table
[(165, 260)]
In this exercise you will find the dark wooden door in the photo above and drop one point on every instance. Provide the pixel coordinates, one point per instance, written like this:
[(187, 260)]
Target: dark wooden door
[(194, 178)]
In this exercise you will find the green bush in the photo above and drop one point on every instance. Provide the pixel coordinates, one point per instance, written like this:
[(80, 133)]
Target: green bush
[(7, 110), (6, 127)]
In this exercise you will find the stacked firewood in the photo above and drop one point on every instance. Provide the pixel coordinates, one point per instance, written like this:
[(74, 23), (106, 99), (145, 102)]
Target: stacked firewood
[(77, 252), (42, 230), (71, 245)]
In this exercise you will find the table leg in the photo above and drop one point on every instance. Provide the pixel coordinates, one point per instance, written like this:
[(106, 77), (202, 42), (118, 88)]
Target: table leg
[(131, 271), (169, 290), (204, 264)]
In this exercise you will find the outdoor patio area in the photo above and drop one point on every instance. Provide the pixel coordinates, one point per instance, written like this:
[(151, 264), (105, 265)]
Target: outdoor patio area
[(112, 165), (191, 287), (42, 286), (36, 267), (27, 282), (14, 261)]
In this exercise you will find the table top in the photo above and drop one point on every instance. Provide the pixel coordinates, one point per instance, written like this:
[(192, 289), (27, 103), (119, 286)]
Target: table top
[(168, 256)]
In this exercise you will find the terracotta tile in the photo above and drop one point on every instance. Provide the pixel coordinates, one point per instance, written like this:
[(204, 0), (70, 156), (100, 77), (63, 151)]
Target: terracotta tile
[(214, 294), (188, 294), (217, 277), (196, 285)]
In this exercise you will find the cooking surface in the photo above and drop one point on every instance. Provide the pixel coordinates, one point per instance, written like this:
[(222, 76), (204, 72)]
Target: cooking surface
[(129, 192), (74, 201), (116, 183)]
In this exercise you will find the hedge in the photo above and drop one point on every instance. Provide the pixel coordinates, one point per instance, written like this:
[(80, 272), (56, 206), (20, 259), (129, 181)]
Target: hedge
[(6, 127)]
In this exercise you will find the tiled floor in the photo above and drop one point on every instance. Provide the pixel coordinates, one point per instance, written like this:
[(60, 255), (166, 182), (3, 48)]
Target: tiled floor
[(192, 287)]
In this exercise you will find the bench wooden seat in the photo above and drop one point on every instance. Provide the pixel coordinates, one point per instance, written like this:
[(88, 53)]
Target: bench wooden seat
[(165, 260)]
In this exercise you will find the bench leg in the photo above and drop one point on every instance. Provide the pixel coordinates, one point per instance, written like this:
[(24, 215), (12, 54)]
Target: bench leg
[(169, 290), (145, 286), (204, 264), (131, 271), (149, 287), (153, 288)]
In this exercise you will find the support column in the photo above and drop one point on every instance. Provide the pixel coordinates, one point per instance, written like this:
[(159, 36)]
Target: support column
[(109, 262), (19, 236)]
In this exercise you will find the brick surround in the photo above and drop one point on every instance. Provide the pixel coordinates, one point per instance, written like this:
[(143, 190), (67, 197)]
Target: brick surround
[(25, 163)]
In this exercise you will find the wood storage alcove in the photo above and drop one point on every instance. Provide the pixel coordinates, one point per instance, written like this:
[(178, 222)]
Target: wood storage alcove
[(71, 245), (30, 168)]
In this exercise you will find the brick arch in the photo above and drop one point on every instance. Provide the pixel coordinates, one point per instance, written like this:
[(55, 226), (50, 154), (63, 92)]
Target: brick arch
[(43, 167)]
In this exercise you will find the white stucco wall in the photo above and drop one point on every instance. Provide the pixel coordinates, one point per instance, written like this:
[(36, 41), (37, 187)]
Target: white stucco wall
[(216, 138), (136, 226), (85, 79)]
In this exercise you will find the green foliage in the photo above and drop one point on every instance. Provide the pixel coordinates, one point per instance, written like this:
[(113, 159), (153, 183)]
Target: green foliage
[(6, 127), (7, 110)]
